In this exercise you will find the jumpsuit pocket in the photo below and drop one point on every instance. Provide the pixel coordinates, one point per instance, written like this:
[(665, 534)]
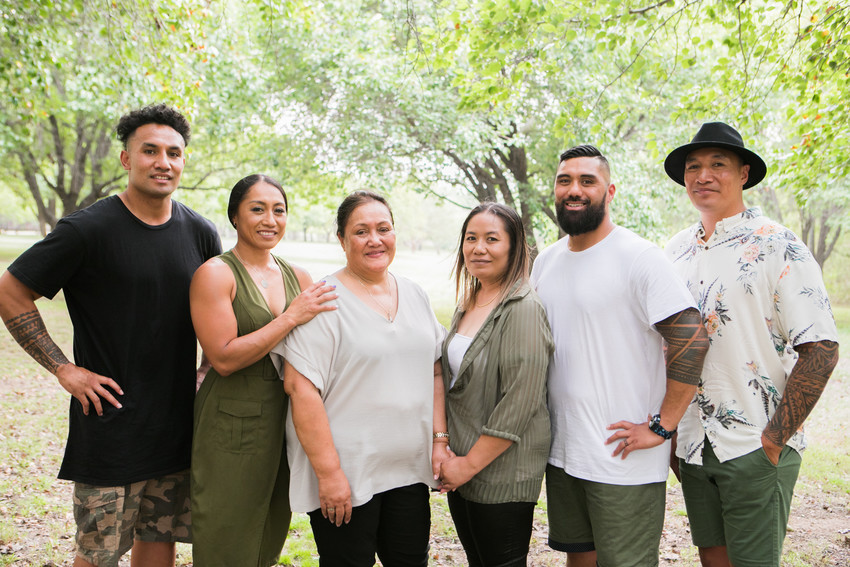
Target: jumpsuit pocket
[(238, 425)]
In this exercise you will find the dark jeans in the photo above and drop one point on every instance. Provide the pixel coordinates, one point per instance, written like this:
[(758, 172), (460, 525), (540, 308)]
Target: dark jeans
[(493, 535), (394, 524)]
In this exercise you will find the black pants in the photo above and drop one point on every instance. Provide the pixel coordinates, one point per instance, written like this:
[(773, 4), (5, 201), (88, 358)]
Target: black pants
[(394, 524), (493, 535)]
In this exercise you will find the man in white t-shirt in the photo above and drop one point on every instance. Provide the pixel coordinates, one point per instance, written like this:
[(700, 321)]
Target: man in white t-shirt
[(612, 298), (773, 348)]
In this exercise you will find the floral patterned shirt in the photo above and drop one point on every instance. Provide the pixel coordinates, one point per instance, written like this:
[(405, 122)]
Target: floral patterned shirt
[(760, 293)]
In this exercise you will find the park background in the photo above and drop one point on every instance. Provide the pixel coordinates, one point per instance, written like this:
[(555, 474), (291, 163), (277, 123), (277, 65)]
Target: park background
[(439, 105)]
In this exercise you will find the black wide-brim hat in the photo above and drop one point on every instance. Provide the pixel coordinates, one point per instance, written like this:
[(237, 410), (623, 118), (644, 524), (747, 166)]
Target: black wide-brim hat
[(715, 135)]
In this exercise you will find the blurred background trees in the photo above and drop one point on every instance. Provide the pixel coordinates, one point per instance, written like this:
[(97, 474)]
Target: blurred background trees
[(449, 102)]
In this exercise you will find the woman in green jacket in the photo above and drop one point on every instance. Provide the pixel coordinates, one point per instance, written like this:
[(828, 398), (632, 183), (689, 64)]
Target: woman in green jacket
[(495, 360)]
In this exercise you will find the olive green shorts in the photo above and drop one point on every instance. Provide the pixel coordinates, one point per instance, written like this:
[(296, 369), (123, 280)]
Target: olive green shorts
[(742, 504), (109, 518), (622, 523)]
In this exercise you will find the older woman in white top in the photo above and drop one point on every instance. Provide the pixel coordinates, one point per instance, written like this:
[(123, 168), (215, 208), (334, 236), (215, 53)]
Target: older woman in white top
[(367, 427)]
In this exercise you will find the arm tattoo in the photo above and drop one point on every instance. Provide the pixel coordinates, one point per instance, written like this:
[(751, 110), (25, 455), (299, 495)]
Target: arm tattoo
[(687, 345), (29, 331), (803, 389)]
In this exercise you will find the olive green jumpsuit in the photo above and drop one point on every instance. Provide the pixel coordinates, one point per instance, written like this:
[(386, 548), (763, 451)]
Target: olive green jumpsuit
[(240, 475)]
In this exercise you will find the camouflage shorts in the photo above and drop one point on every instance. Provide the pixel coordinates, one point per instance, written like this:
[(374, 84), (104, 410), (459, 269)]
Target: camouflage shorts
[(109, 518)]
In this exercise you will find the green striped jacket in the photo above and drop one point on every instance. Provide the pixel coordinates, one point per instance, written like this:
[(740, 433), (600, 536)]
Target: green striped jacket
[(501, 391)]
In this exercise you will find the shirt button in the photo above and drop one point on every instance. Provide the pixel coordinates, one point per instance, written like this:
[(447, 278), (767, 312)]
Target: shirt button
[(706, 247)]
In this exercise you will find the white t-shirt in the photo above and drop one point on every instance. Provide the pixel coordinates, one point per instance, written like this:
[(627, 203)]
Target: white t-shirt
[(608, 363), (376, 379)]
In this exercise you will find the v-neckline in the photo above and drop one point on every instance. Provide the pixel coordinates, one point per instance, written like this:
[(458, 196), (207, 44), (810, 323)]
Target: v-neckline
[(259, 291), (366, 305)]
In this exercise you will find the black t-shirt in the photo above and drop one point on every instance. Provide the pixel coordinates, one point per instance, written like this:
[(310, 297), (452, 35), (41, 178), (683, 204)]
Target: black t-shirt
[(126, 285)]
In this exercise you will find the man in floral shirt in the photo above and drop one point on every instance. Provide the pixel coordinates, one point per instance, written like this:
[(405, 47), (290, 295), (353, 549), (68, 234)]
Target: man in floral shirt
[(773, 347)]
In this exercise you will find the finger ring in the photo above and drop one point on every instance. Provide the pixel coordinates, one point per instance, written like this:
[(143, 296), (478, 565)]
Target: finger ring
[(626, 443), (331, 509)]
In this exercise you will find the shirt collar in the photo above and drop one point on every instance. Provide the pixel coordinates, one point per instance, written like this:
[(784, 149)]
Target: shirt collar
[(729, 223)]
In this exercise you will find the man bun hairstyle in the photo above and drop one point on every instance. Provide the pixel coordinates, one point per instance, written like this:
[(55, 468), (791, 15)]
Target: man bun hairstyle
[(153, 114)]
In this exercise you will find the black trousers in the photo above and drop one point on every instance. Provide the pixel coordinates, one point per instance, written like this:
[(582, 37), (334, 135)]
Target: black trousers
[(394, 524), (493, 535)]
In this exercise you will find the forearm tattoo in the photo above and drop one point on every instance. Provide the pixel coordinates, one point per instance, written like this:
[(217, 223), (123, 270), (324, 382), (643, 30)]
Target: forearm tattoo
[(29, 331), (803, 389), (687, 345)]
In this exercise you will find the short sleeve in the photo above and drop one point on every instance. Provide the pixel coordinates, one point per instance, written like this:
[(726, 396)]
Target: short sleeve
[(310, 349), (800, 302), (48, 264), (664, 291), (213, 243), (440, 334)]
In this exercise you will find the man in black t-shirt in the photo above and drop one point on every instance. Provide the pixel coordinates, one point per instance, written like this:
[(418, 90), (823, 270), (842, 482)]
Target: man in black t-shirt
[(124, 264)]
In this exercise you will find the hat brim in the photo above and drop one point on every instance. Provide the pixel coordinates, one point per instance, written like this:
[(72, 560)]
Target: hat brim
[(674, 165)]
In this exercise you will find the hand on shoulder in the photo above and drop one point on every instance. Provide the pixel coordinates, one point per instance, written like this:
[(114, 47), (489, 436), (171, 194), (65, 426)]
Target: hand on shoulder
[(312, 300)]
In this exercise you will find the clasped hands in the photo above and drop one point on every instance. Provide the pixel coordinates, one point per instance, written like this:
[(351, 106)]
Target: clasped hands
[(450, 470)]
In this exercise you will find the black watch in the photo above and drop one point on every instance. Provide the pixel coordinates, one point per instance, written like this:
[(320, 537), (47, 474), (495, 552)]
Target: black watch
[(655, 427)]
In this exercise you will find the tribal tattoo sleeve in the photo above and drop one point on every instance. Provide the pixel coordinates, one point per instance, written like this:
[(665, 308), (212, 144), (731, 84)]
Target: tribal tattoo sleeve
[(29, 331), (687, 345), (804, 388)]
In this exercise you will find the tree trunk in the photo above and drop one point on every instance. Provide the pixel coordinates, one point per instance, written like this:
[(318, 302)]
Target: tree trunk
[(67, 176), (817, 232)]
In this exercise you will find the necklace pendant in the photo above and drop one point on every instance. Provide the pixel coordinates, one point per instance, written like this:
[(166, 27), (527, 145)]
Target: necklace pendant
[(264, 283)]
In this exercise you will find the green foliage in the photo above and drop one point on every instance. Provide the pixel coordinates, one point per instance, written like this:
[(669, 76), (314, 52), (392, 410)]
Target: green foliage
[(625, 75), (69, 69), (468, 100)]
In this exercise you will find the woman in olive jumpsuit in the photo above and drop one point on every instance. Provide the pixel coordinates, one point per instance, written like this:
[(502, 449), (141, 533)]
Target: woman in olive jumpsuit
[(243, 303)]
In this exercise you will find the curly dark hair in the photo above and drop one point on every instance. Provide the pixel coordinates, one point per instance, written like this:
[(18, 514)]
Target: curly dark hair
[(152, 114)]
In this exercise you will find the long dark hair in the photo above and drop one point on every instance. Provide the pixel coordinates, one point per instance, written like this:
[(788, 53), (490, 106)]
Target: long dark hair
[(467, 286)]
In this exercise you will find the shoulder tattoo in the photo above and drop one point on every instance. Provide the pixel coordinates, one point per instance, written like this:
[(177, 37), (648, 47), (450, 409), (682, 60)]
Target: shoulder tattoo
[(687, 345)]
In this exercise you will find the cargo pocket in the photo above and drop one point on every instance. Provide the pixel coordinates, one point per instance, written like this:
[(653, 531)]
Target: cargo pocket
[(239, 423), (98, 517)]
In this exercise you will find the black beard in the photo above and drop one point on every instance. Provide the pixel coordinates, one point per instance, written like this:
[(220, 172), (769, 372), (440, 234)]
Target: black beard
[(580, 222)]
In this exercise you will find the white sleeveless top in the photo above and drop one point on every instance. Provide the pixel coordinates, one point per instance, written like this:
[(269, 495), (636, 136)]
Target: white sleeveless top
[(456, 350)]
